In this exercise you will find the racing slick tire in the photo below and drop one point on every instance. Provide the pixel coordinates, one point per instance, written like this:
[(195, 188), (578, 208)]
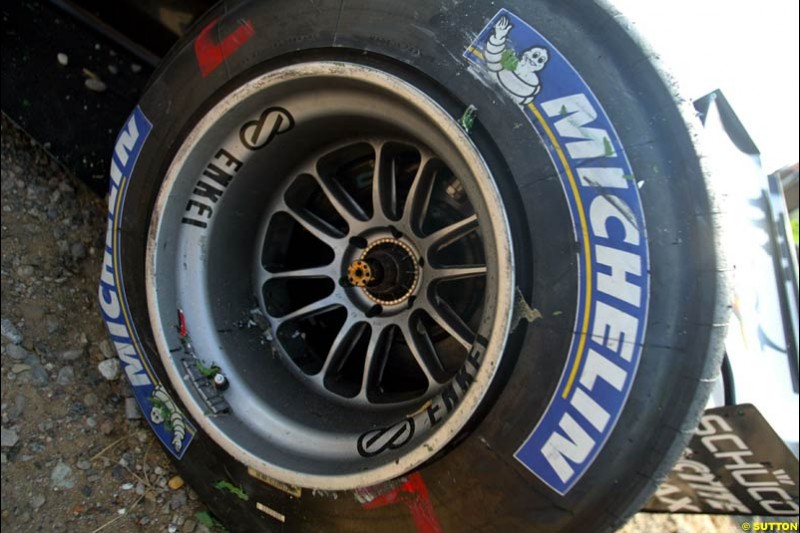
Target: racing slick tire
[(415, 266)]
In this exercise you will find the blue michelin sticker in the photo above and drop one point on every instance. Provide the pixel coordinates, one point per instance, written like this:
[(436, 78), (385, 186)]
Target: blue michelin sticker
[(606, 211), (168, 423)]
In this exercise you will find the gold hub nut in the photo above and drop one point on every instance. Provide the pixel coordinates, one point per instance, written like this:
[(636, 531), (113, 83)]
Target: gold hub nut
[(359, 273)]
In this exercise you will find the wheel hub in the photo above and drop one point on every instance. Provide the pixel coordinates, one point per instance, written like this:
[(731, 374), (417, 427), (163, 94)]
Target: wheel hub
[(390, 272)]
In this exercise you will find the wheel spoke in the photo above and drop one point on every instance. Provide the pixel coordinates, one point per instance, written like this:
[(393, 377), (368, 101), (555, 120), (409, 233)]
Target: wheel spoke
[(456, 272), (423, 352), (327, 271), (342, 346), (384, 186), (319, 228), (377, 349), (314, 308), (341, 200), (448, 235), (419, 196), (384, 355), (444, 315)]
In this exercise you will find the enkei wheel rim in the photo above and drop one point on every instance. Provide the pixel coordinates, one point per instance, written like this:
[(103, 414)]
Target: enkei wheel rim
[(286, 416)]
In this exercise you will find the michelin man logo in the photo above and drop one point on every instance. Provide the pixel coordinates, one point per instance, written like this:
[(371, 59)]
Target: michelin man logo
[(517, 75), (163, 411)]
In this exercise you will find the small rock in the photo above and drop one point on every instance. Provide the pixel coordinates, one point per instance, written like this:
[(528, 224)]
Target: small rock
[(127, 486), (106, 427), (177, 501), (78, 250), (62, 477), (189, 526), (107, 349), (19, 406), (72, 355), (172, 528), (63, 59), (113, 69), (77, 408), (25, 271), (18, 368), (66, 376), (95, 84), (109, 369), (136, 68), (140, 489), (117, 472), (175, 483), (52, 325), (37, 500), (8, 438), (10, 331), (38, 372), (132, 411), (16, 352), (90, 400), (83, 464)]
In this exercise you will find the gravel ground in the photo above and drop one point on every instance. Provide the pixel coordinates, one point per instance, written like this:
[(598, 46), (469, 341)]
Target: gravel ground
[(76, 454)]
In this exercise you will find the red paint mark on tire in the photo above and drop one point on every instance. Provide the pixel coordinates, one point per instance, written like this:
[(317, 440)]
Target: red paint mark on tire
[(182, 324), (414, 494), (210, 55)]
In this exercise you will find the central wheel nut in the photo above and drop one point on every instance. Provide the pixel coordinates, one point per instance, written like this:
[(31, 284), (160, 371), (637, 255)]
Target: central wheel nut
[(389, 272), (359, 273)]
